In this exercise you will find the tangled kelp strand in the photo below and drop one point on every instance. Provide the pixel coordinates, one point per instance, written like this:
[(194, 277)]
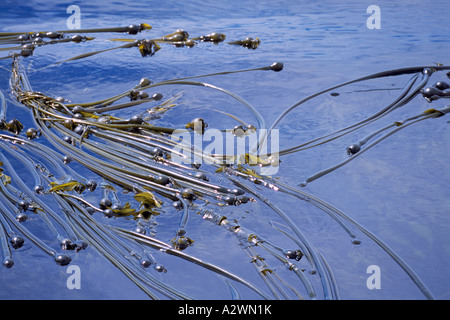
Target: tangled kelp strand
[(146, 47), (36, 39), (131, 29)]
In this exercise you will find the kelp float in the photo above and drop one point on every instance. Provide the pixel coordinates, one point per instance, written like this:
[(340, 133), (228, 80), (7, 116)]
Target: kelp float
[(132, 177)]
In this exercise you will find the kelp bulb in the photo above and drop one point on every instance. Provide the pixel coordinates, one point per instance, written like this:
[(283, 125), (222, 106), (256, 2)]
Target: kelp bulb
[(17, 241), (353, 148), (8, 262), (276, 66), (62, 259), (441, 85), (188, 194)]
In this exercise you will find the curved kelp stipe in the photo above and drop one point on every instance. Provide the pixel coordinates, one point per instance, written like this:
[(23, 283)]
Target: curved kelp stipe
[(132, 181), (403, 99), (336, 213), (355, 149)]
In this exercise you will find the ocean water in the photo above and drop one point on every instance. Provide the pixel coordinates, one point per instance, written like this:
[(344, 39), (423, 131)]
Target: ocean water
[(397, 190)]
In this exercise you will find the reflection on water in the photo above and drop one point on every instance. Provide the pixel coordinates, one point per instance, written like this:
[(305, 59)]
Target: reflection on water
[(396, 190)]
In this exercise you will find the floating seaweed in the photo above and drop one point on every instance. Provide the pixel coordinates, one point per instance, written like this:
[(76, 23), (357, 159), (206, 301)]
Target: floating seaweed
[(135, 155)]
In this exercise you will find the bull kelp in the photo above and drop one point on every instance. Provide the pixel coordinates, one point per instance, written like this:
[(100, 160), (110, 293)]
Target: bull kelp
[(135, 180)]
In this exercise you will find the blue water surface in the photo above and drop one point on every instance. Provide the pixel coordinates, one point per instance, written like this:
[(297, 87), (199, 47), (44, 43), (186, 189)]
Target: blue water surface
[(398, 190)]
